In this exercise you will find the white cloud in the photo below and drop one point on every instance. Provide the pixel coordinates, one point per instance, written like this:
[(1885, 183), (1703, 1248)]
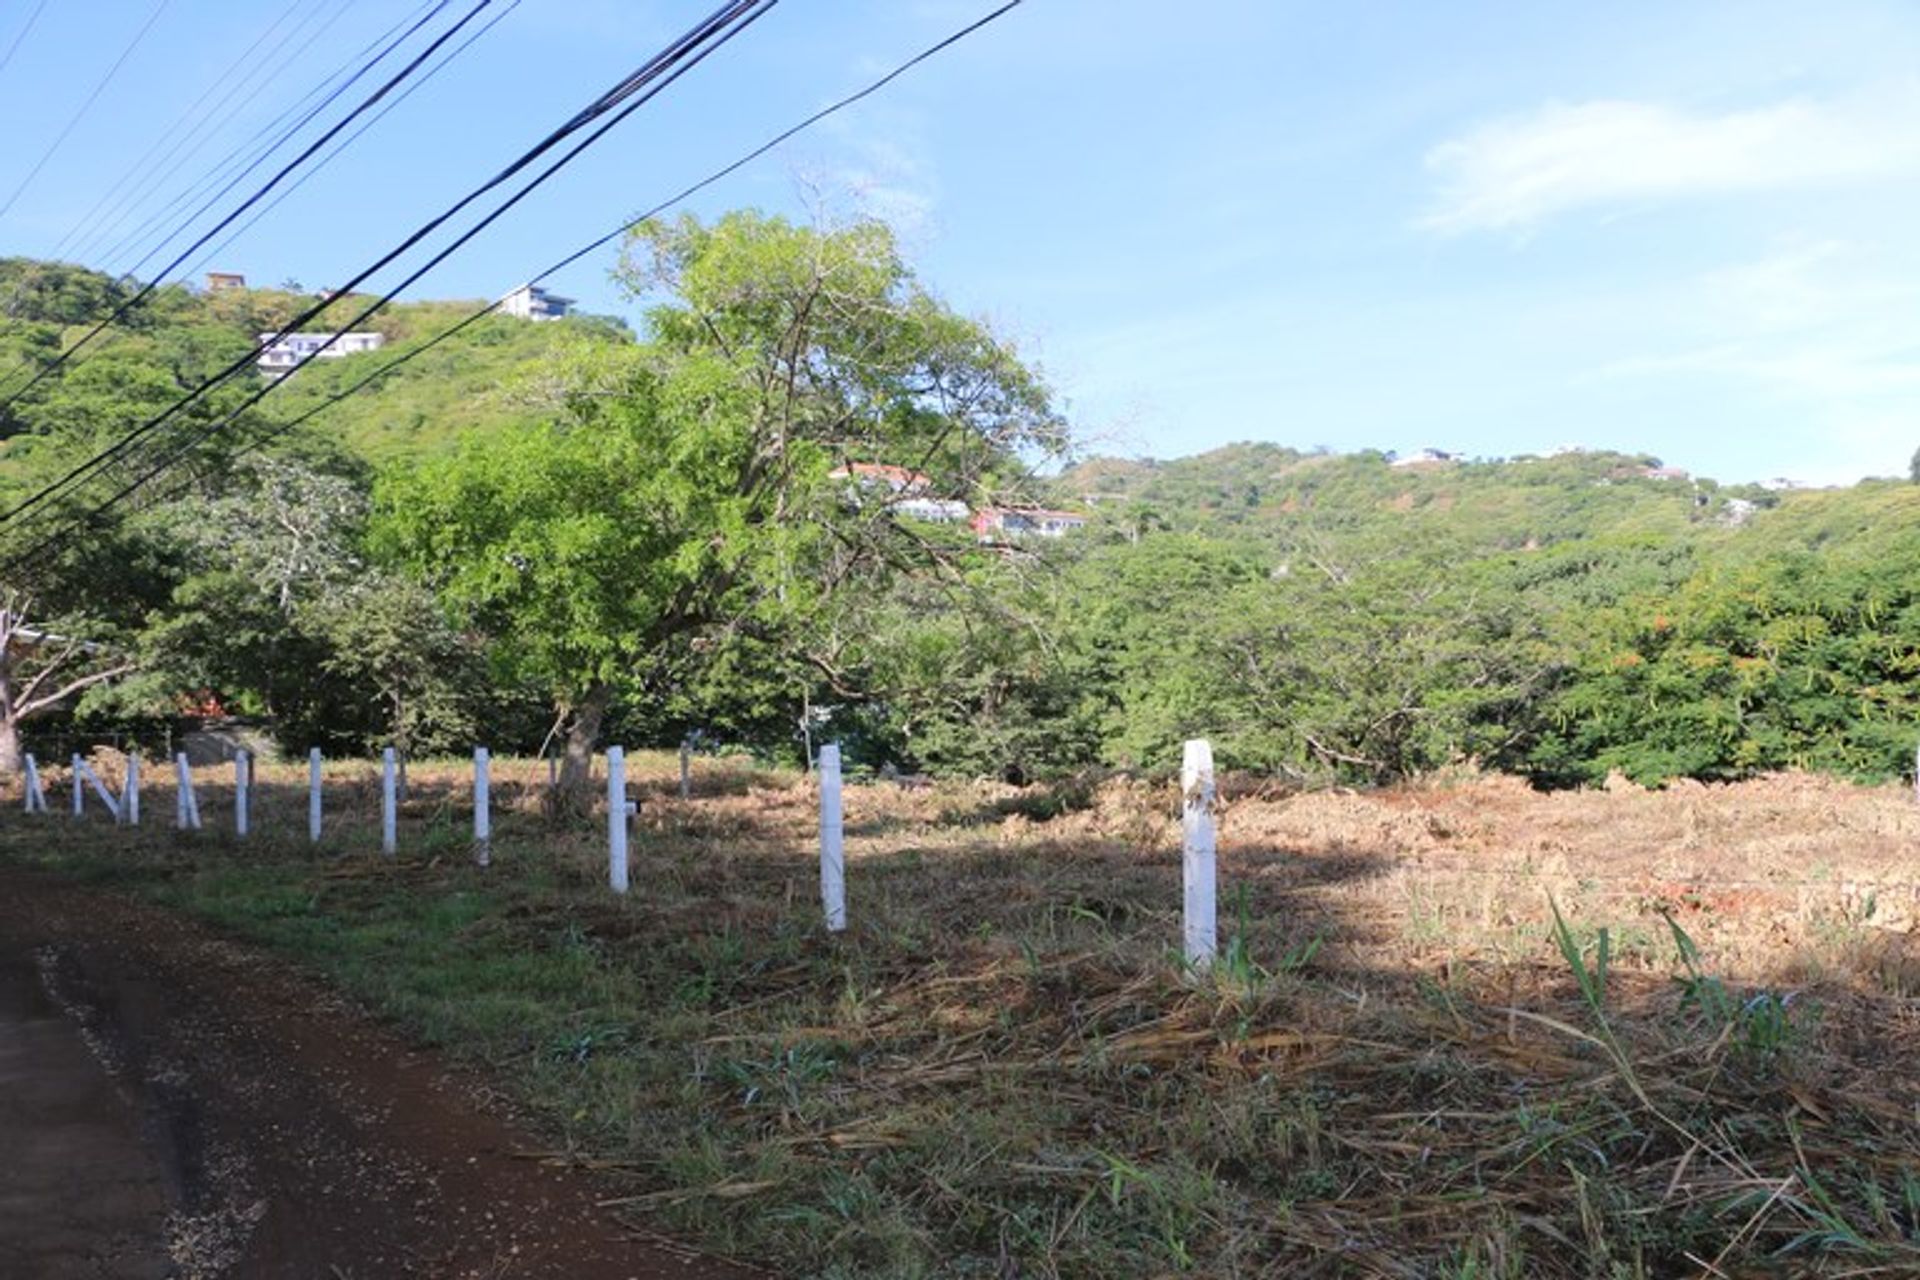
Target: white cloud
[(1513, 173), (1822, 320)]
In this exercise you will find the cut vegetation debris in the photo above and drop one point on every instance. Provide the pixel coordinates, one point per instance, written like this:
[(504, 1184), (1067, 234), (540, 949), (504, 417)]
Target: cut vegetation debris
[(1458, 1030)]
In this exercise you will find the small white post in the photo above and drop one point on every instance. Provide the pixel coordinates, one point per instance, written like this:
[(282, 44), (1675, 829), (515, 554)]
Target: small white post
[(79, 788), (130, 791), (833, 858), (389, 805), (313, 795), (1197, 862), (189, 806), (617, 819), (36, 798), (242, 780), (553, 774), (180, 785), (686, 769), (482, 809), (81, 770)]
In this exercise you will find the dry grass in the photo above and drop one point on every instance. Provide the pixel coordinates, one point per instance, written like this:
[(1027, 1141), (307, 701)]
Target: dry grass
[(1402, 1067)]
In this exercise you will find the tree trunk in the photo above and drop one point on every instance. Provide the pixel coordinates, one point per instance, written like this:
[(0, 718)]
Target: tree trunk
[(12, 760), (573, 797)]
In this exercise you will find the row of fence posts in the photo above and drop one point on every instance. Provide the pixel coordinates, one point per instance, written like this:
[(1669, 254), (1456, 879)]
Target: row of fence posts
[(1198, 834)]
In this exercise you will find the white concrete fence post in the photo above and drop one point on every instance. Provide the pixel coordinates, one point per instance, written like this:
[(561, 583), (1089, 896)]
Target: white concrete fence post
[(79, 788), (242, 783), (130, 792), (1197, 860), (482, 808), (187, 808), (313, 795), (36, 798), (617, 811), (84, 774), (833, 858), (389, 805), (686, 770)]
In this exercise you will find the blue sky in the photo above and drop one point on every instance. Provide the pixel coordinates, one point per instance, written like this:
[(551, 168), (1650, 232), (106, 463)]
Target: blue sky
[(1683, 228)]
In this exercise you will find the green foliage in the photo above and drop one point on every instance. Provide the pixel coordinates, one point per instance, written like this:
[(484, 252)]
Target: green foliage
[(653, 525), (682, 502)]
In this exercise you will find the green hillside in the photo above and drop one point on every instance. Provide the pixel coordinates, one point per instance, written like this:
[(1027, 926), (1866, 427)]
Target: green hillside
[(483, 378)]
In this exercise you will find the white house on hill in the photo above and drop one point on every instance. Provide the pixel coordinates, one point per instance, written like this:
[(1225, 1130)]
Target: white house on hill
[(283, 355), (906, 491), (1025, 521), (531, 302)]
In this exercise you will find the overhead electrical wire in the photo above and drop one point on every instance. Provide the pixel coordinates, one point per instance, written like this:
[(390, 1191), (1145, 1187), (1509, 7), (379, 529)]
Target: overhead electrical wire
[(690, 49), (189, 129), (122, 241), (85, 106), (249, 154), (592, 246), (80, 234), (317, 144), (348, 141), (14, 47), (367, 103)]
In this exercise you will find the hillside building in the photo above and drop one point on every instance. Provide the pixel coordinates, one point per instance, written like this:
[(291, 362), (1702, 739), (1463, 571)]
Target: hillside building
[(1021, 522), (283, 355), (221, 281), (906, 491), (531, 302)]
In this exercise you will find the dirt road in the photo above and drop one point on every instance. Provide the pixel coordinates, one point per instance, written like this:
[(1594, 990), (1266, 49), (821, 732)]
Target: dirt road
[(175, 1106)]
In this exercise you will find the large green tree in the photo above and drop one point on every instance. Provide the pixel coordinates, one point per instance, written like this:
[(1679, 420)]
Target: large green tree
[(683, 499)]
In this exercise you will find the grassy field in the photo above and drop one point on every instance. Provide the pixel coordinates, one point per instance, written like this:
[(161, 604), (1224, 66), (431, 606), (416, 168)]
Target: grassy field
[(1461, 1030)]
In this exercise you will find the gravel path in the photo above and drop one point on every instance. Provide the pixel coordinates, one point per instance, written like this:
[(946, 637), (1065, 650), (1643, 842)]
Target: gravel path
[(176, 1106)]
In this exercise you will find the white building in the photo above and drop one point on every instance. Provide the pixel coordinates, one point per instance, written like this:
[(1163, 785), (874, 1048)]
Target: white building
[(531, 302), (282, 355), (906, 491), (1025, 521)]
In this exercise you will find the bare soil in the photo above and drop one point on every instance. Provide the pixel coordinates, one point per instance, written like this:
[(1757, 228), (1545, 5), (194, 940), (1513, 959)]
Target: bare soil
[(174, 1105)]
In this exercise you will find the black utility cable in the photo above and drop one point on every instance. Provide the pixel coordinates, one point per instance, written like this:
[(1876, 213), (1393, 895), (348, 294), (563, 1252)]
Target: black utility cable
[(758, 8), (130, 181), (85, 106), (18, 39), (253, 150), (147, 289), (347, 141), (717, 24), (625, 227), (251, 153)]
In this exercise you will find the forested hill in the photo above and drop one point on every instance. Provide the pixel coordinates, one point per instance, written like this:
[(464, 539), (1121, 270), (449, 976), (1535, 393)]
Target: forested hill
[(1563, 616), (1268, 492), (179, 336)]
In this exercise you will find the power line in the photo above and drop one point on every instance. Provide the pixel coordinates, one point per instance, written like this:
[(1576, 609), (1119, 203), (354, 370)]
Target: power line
[(112, 199), (719, 28), (348, 141), (313, 147), (122, 240), (746, 13), (91, 98), (145, 290), (601, 242), (249, 154), (15, 46)]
